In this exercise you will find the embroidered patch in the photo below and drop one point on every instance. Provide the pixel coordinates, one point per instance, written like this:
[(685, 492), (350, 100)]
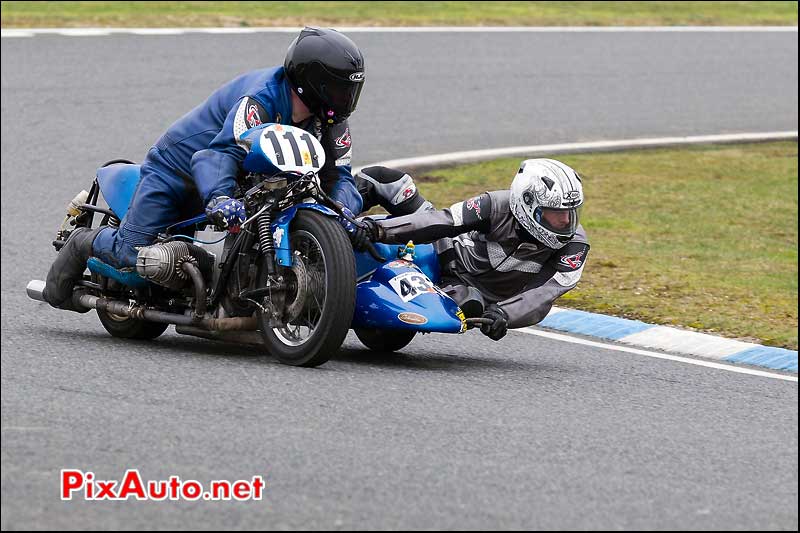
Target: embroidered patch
[(574, 260), (475, 205), (253, 118), (344, 141)]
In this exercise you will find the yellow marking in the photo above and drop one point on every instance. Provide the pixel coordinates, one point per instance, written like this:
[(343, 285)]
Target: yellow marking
[(462, 318)]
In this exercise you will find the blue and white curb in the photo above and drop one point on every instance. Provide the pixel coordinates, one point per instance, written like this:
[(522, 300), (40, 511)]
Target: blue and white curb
[(636, 333)]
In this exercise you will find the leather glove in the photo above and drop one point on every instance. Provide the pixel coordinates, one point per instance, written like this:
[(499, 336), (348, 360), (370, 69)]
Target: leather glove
[(225, 212), (361, 233), (499, 326)]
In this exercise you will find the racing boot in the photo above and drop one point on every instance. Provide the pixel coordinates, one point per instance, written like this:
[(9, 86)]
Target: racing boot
[(68, 269)]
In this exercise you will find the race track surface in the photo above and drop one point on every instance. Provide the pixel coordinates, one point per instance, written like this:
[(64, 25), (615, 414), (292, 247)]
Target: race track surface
[(455, 431)]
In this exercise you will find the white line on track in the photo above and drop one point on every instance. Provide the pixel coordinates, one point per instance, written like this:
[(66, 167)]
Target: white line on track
[(596, 146), (647, 353), (94, 32)]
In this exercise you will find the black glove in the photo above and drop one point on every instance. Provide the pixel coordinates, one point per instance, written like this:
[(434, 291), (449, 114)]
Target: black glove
[(361, 232), (499, 326), (368, 232)]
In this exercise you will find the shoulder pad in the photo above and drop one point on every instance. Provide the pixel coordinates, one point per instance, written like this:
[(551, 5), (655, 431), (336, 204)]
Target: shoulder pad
[(473, 211), (249, 115), (571, 257), (338, 144)]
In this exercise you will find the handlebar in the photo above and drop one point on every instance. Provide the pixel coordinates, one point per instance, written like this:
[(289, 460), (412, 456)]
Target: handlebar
[(338, 210), (374, 253), (476, 322)]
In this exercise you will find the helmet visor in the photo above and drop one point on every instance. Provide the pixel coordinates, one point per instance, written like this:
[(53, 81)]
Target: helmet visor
[(559, 221), (340, 96)]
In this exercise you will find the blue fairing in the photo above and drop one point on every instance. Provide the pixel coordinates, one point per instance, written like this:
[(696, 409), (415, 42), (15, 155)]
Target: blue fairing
[(118, 183), (256, 160), (424, 257), (379, 304)]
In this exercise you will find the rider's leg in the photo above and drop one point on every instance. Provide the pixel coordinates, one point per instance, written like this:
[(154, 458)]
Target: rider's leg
[(68, 268), (392, 189), (468, 298), (159, 200)]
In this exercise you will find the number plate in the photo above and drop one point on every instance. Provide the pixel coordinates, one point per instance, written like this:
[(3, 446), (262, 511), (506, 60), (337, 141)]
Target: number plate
[(292, 149), (409, 285)]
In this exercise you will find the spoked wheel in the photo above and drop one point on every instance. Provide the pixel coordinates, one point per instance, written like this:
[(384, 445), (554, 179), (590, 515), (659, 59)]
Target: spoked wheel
[(320, 300), (130, 328), (124, 327), (385, 340)]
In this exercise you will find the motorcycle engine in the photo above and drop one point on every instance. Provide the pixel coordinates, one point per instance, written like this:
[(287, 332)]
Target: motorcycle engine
[(163, 263)]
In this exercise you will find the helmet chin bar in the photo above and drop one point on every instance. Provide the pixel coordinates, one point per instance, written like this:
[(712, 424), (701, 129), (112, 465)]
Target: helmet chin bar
[(329, 116)]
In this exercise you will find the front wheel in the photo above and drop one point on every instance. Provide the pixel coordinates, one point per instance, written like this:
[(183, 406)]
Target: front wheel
[(322, 294)]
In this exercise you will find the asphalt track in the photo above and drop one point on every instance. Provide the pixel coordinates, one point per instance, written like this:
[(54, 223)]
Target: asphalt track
[(456, 431)]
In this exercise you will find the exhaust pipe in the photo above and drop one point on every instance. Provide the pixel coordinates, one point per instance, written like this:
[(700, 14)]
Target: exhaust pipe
[(35, 290), (118, 307), (250, 323)]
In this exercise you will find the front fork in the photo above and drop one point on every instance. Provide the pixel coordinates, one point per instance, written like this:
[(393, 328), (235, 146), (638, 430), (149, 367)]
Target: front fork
[(276, 261), (271, 289)]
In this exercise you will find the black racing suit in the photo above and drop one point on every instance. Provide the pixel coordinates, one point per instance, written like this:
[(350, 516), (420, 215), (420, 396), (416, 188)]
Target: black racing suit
[(480, 244)]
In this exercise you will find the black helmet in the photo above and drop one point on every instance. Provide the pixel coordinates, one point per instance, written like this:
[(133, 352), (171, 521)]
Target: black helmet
[(326, 70)]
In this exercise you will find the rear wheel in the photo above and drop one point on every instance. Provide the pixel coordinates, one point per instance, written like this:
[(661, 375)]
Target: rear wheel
[(321, 295), (385, 340), (130, 328)]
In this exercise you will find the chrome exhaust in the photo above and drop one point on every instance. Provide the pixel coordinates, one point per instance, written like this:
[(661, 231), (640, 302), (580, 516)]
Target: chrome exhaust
[(35, 290)]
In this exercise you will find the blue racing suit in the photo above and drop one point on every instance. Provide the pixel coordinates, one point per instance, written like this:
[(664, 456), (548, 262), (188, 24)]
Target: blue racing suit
[(198, 158)]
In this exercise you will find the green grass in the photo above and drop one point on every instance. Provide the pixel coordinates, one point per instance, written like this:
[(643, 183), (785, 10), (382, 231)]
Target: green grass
[(165, 14), (703, 237)]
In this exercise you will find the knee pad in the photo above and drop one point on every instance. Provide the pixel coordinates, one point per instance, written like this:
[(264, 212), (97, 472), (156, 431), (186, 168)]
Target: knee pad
[(394, 190)]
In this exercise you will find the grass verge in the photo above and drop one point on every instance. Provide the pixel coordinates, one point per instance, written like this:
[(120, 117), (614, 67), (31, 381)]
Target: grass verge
[(703, 237), (17, 14)]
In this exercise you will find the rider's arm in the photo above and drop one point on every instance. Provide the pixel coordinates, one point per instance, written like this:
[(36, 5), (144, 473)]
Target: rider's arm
[(428, 226), (558, 276), (214, 169), (336, 175)]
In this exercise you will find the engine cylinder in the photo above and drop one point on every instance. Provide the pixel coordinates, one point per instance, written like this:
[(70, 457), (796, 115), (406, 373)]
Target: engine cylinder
[(161, 263)]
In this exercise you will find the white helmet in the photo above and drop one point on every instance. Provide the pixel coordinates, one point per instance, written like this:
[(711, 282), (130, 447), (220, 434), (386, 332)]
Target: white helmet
[(546, 196)]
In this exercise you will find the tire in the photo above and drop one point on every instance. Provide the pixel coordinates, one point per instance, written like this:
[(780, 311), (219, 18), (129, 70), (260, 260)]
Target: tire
[(323, 246), (130, 328), (385, 340)]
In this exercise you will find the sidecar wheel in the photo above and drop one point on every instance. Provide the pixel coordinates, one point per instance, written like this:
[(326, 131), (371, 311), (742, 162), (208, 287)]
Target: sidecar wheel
[(324, 299), (384, 340), (130, 328)]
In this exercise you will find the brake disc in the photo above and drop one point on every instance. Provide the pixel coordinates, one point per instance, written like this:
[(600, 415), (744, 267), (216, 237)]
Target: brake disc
[(296, 300)]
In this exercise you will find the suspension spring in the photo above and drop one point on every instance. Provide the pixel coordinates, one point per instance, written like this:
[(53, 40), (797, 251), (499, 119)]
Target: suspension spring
[(265, 240)]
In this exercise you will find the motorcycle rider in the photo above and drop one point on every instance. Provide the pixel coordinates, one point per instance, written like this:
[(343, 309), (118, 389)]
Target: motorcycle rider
[(195, 163), (505, 255)]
